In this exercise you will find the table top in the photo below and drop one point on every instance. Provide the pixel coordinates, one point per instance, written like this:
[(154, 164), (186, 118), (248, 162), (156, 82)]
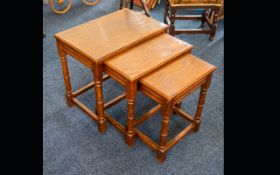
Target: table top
[(178, 75), (147, 56), (111, 34)]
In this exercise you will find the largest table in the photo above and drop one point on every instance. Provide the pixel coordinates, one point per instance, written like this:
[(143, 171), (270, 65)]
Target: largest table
[(94, 42)]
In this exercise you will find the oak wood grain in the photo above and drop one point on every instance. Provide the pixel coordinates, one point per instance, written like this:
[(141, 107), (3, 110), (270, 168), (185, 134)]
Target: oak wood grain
[(178, 75), (168, 85), (111, 34), (147, 56)]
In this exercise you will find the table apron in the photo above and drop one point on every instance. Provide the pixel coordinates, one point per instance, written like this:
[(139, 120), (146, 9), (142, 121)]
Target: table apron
[(77, 55)]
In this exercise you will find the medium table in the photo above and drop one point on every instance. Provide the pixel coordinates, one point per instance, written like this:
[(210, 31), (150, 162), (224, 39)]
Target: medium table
[(132, 65)]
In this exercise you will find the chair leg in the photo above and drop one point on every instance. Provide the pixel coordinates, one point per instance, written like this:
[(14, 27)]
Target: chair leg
[(214, 24), (202, 97), (127, 3), (166, 13), (205, 13), (121, 4), (172, 22), (131, 4), (166, 113), (124, 3)]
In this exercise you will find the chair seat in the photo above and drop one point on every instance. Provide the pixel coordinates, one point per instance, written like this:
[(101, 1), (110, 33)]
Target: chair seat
[(194, 2), (178, 76)]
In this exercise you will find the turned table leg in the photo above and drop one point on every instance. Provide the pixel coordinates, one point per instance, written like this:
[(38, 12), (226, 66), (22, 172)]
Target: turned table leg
[(66, 76), (202, 97), (97, 73), (166, 113), (131, 95)]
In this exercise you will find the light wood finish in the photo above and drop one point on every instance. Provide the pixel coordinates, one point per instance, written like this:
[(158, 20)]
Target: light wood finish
[(163, 80), (87, 87), (111, 34), (147, 56), (214, 6), (116, 124), (147, 115), (91, 2), (222, 11), (85, 109), (169, 85), (149, 60), (64, 6), (129, 67), (114, 101), (62, 54), (93, 42), (182, 113)]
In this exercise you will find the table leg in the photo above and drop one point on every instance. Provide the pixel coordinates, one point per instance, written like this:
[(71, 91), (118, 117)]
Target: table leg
[(131, 95), (66, 76), (166, 113), (202, 97), (97, 73)]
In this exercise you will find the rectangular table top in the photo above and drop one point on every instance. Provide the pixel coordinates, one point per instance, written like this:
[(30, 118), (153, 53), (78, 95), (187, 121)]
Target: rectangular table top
[(178, 75), (147, 56), (111, 34)]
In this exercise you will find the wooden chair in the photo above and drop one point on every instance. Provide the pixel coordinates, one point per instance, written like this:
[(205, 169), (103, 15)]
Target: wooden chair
[(210, 15), (168, 86), (130, 3)]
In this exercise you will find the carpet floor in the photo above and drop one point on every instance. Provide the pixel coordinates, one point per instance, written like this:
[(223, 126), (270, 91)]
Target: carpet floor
[(72, 144)]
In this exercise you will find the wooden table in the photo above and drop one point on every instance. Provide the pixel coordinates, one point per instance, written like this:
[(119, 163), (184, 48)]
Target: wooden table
[(132, 65), (94, 42)]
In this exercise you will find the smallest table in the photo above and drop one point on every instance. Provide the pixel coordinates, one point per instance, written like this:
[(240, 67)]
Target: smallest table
[(168, 86)]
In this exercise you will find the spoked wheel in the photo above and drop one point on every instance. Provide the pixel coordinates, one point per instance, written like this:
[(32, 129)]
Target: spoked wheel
[(91, 2), (60, 6)]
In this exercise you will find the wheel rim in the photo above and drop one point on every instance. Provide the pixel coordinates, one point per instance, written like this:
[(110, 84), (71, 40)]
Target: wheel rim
[(60, 6), (91, 2)]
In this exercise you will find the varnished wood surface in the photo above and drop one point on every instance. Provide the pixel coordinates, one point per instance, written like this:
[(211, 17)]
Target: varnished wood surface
[(169, 85), (110, 34), (170, 71), (147, 56), (181, 74)]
